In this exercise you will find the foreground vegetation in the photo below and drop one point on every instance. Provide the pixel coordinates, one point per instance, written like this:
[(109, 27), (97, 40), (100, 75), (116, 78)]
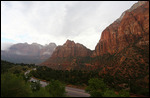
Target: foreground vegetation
[(15, 84), (97, 88), (81, 78)]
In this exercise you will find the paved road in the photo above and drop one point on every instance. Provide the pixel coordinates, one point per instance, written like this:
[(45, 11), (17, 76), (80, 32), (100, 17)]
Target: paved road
[(71, 92), (43, 83), (74, 92)]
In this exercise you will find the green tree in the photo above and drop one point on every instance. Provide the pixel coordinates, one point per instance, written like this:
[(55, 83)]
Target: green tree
[(110, 93), (124, 93), (96, 87), (41, 93), (27, 76), (56, 88), (35, 86), (13, 86)]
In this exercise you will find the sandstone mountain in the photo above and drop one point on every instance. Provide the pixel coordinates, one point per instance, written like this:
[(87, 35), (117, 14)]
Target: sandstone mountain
[(122, 51), (65, 56), (28, 53), (71, 49), (130, 27)]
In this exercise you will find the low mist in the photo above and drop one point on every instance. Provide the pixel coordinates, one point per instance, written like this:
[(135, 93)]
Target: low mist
[(6, 46)]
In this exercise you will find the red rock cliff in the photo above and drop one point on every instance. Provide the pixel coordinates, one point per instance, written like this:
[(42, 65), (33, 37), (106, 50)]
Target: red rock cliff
[(71, 49), (132, 25), (65, 56)]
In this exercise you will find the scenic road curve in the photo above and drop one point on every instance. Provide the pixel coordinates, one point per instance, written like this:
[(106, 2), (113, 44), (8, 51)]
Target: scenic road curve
[(70, 92)]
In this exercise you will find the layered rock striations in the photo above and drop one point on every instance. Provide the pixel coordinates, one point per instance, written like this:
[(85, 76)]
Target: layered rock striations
[(65, 56), (71, 49), (123, 49), (130, 27)]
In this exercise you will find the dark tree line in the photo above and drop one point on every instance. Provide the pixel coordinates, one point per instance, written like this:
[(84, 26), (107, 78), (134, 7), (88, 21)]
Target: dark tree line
[(81, 77), (75, 77)]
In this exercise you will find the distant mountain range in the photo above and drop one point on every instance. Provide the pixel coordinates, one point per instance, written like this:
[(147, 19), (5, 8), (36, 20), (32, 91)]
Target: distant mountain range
[(28, 53)]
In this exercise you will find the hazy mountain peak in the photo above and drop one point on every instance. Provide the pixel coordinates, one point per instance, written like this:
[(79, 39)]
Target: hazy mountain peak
[(52, 44), (28, 53)]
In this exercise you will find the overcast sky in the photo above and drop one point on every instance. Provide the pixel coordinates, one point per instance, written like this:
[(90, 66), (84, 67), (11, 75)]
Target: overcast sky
[(44, 22)]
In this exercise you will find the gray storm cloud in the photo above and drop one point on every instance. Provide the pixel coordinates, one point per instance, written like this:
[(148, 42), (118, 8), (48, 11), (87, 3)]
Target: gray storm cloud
[(49, 21), (80, 17)]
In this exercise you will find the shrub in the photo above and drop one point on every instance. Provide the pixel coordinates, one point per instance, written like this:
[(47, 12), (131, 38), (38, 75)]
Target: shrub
[(35, 86), (96, 87), (110, 93), (41, 93), (56, 88), (13, 86), (124, 93)]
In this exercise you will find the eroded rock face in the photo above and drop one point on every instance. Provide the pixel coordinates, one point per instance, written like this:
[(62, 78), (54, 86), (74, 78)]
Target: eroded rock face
[(123, 49), (66, 55), (71, 49), (133, 25)]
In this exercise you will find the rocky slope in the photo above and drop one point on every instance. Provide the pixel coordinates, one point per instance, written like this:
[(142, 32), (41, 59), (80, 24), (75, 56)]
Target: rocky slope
[(28, 53), (130, 27), (65, 56), (71, 49), (123, 50)]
